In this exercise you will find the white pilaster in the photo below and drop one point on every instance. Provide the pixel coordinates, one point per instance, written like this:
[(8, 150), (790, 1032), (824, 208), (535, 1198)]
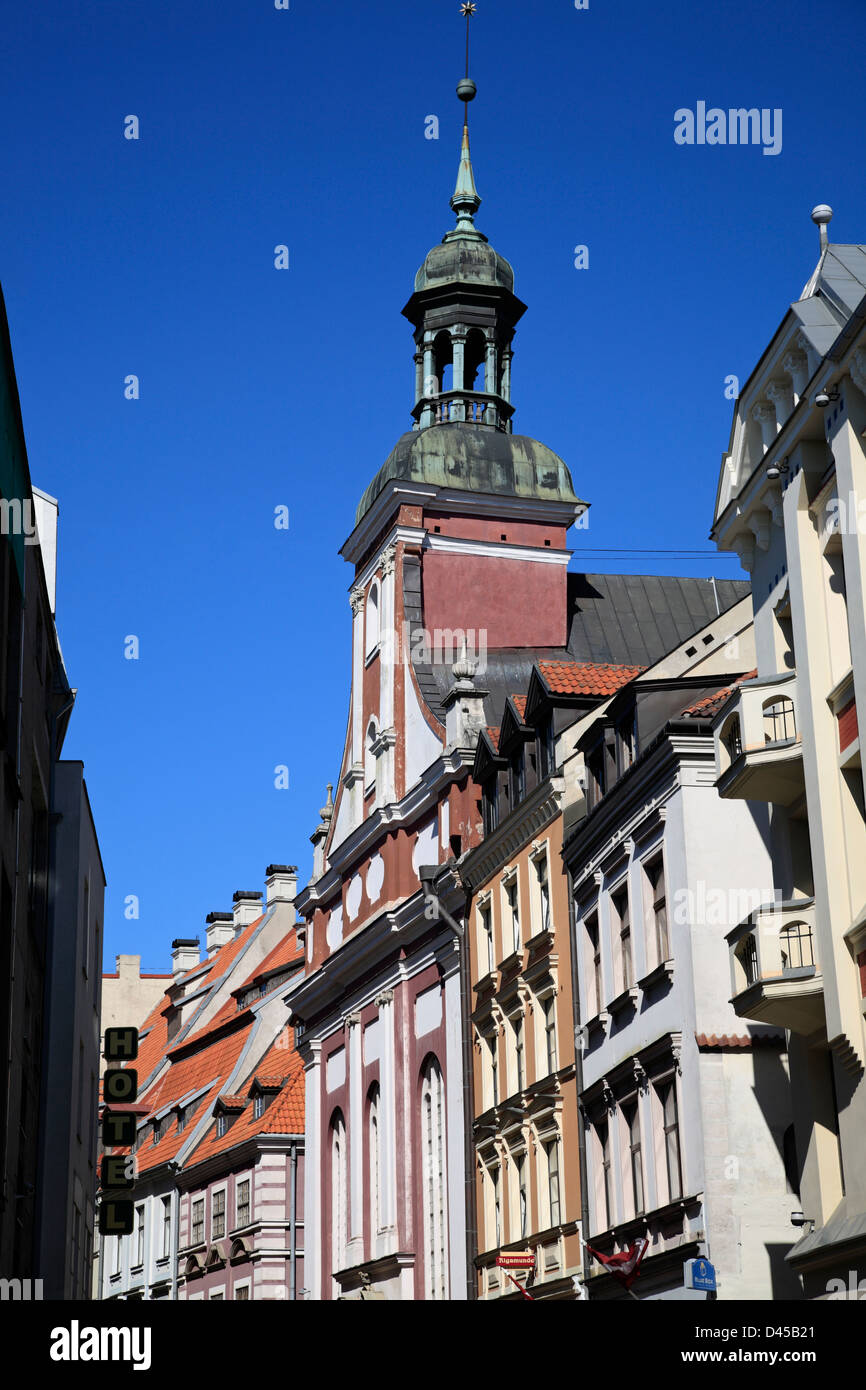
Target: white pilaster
[(454, 1139), (355, 1245), (313, 1274), (387, 1123)]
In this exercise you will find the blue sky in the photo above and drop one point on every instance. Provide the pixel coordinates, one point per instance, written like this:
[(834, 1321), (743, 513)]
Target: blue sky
[(262, 388)]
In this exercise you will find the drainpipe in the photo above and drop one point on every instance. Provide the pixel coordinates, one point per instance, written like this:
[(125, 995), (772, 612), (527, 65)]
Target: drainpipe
[(100, 1265), (174, 1169), (293, 1227), (578, 1076)]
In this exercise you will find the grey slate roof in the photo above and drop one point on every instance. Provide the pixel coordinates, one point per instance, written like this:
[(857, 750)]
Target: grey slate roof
[(834, 290), (626, 619)]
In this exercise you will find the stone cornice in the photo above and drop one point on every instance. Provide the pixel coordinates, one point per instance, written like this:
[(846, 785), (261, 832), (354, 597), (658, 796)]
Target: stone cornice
[(361, 842), (519, 828)]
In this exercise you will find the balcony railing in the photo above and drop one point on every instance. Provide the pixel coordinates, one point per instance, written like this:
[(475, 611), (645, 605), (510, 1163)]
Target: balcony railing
[(775, 971), (759, 754)]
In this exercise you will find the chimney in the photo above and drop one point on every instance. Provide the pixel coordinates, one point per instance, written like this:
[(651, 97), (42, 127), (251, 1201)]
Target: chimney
[(184, 954), (219, 928), (247, 907), (128, 967), (281, 883)]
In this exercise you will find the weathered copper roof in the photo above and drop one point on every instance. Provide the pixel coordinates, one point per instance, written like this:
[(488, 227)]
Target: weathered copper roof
[(471, 260), (474, 458)]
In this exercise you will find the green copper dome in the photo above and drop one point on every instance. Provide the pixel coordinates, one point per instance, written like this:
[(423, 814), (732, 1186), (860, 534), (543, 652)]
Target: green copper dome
[(468, 259), (474, 458)]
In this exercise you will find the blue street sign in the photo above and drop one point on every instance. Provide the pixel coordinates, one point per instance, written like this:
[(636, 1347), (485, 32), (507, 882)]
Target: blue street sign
[(700, 1274)]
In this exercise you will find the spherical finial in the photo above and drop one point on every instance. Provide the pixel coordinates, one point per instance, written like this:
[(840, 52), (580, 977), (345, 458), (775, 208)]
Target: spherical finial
[(466, 89), (821, 215), (464, 667)]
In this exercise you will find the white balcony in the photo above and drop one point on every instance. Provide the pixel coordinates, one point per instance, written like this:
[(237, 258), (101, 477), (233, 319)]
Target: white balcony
[(759, 751), (775, 972)]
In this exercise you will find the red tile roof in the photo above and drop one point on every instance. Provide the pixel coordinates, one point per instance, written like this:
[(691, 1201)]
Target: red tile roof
[(284, 1115), (711, 704), (586, 677), (519, 703), (232, 1102), (493, 735)]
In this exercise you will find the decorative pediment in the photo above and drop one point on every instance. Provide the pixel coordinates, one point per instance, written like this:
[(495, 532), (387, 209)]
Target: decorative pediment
[(216, 1255), (240, 1250)]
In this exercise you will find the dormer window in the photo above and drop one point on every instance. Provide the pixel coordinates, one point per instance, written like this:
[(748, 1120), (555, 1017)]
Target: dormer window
[(258, 1106), (546, 748), (517, 777), (222, 1124), (490, 795)]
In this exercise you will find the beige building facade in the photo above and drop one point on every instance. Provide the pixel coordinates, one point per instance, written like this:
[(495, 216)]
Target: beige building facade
[(787, 741)]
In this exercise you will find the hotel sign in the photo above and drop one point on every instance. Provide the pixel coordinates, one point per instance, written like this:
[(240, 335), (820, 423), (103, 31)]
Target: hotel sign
[(517, 1259), (119, 1087)]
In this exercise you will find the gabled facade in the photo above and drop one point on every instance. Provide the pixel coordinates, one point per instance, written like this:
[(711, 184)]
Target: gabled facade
[(787, 743), (219, 1149)]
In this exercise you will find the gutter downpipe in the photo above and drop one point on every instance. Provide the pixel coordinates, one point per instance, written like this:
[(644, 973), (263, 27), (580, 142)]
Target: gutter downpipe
[(578, 1075), (174, 1169), (293, 1227)]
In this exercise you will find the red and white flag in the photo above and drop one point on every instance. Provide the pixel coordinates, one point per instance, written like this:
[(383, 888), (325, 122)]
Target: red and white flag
[(625, 1264)]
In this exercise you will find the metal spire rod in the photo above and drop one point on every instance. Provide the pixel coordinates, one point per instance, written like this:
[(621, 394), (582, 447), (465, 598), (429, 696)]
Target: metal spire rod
[(468, 9)]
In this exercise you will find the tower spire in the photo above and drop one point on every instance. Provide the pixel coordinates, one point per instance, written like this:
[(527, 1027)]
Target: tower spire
[(465, 200)]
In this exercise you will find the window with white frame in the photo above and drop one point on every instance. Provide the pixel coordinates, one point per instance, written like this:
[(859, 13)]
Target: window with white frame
[(486, 952), (621, 927), (139, 1235), (668, 1119), (370, 756), (542, 883), (519, 1058), (603, 1175), (242, 1293), (635, 1187), (118, 1254), (242, 1203), (551, 1149), (497, 1206), (513, 908), (165, 1248), (592, 958), (548, 1014), (218, 1215), (493, 1058), (522, 1225), (374, 1157), (658, 945), (258, 1105), (371, 623), (434, 1181), (197, 1226), (339, 1193)]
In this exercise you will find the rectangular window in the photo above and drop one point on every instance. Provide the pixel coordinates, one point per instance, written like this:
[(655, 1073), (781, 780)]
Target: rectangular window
[(118, 1252), (222, 1125), (139, 1235), (497, 1207), (514, 910), (550, 1032), (242, 1293), (595, 995), (517, 778), (198, 1221), (543, 891), (658, 915), (166, 1227), (668, 1096), (181, 1119), (258, 1106), (518, 1054), (218, 1215), (552, 1150), (603, 1132), (494, 1071), (486, 951), (490, 799), (242, 1208), (522, 1205), (622, 926), (632, 1123)]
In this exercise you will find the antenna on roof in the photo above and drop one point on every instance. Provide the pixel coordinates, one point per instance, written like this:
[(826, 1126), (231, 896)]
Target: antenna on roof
[(821, 216)]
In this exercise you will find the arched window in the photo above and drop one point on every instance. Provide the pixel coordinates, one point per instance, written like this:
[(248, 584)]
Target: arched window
[(442, 362), (370, 756), (374, 1159), (778, 719), (796, 946), (434, 1180), (475, 361), (371, 621), (338, 1192)]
